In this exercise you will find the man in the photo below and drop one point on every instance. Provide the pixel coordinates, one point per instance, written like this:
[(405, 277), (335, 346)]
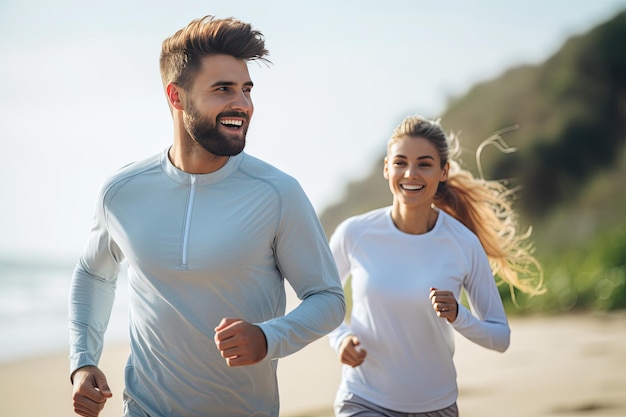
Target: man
[(209, 233)]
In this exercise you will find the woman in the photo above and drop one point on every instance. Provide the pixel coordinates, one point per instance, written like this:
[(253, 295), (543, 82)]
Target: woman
[(445, 232)]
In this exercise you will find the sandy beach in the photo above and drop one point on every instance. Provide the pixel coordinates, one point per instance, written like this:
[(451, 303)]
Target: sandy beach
[(559, 366)]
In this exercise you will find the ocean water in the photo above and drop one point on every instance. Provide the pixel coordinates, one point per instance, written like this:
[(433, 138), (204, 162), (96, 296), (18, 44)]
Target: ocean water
[(34, 306)]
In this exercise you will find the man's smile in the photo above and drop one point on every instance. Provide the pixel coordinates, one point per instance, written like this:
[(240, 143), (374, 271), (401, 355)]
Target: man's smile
[(233, 123)]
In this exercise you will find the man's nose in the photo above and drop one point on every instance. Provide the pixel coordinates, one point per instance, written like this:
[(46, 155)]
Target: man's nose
[(242, 101)]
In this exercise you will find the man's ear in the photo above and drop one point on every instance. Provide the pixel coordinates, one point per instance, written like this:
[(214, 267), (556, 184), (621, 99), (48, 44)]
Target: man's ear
[(173, 93)]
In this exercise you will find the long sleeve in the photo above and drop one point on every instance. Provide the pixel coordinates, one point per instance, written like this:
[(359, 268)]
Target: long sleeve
[(304, 259), (340, 255), (92, 294), (488, 326)]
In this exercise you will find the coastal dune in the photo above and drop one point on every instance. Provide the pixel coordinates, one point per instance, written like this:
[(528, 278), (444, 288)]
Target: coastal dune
[(571, 365)]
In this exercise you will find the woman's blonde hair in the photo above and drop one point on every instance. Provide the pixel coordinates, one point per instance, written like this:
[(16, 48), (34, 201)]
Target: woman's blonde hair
[(484, 207)]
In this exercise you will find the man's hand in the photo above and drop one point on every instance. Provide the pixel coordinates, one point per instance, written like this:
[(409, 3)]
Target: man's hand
[(350, 353), (240, 342), (90, 391)]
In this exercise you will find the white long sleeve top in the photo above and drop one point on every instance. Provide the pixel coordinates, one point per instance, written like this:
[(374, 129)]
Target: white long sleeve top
[(200, 248), (409, 364)]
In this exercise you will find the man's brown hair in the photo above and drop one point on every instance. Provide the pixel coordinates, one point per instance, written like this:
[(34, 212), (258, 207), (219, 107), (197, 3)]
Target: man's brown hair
[(182, 52)]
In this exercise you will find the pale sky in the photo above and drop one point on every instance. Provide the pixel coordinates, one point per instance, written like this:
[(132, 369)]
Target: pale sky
[(81, 93)]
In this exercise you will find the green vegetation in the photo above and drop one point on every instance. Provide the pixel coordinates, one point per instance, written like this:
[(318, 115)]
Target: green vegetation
[(570, 166), (589, 277)]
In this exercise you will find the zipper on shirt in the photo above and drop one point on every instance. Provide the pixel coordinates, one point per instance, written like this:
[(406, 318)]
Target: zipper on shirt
[(192, 195)]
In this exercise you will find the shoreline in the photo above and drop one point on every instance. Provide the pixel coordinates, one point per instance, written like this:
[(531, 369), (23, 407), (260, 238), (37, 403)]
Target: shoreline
[(556, 366)]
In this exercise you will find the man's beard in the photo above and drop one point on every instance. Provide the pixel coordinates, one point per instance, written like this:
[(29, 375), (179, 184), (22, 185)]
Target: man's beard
[(208, 134)]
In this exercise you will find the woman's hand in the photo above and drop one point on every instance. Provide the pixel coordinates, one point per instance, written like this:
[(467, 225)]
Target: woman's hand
[(350, 353), (444, 304)]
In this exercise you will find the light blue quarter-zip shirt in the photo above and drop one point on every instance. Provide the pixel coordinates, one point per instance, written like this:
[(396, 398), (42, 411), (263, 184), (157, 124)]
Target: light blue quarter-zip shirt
[(200, 248)]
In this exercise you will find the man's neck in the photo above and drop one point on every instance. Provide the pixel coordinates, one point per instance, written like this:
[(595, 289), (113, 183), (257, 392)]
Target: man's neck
[(195, 160)]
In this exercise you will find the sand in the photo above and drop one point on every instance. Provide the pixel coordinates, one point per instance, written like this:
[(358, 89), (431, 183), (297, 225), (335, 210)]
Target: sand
[(560, 366)]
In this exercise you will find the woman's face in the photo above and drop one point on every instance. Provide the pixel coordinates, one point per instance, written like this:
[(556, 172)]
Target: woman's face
[(413, 170)]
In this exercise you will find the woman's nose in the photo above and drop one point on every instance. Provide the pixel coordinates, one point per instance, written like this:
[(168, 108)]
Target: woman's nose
[(411, 171)]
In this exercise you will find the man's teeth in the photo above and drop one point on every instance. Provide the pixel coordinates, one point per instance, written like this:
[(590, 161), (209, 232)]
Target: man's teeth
[(231, 122), (412, 187)]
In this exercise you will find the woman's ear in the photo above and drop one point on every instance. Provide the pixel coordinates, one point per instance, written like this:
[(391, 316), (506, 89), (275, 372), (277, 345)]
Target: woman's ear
[(174, 96), (385, 171), (444, 172)]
